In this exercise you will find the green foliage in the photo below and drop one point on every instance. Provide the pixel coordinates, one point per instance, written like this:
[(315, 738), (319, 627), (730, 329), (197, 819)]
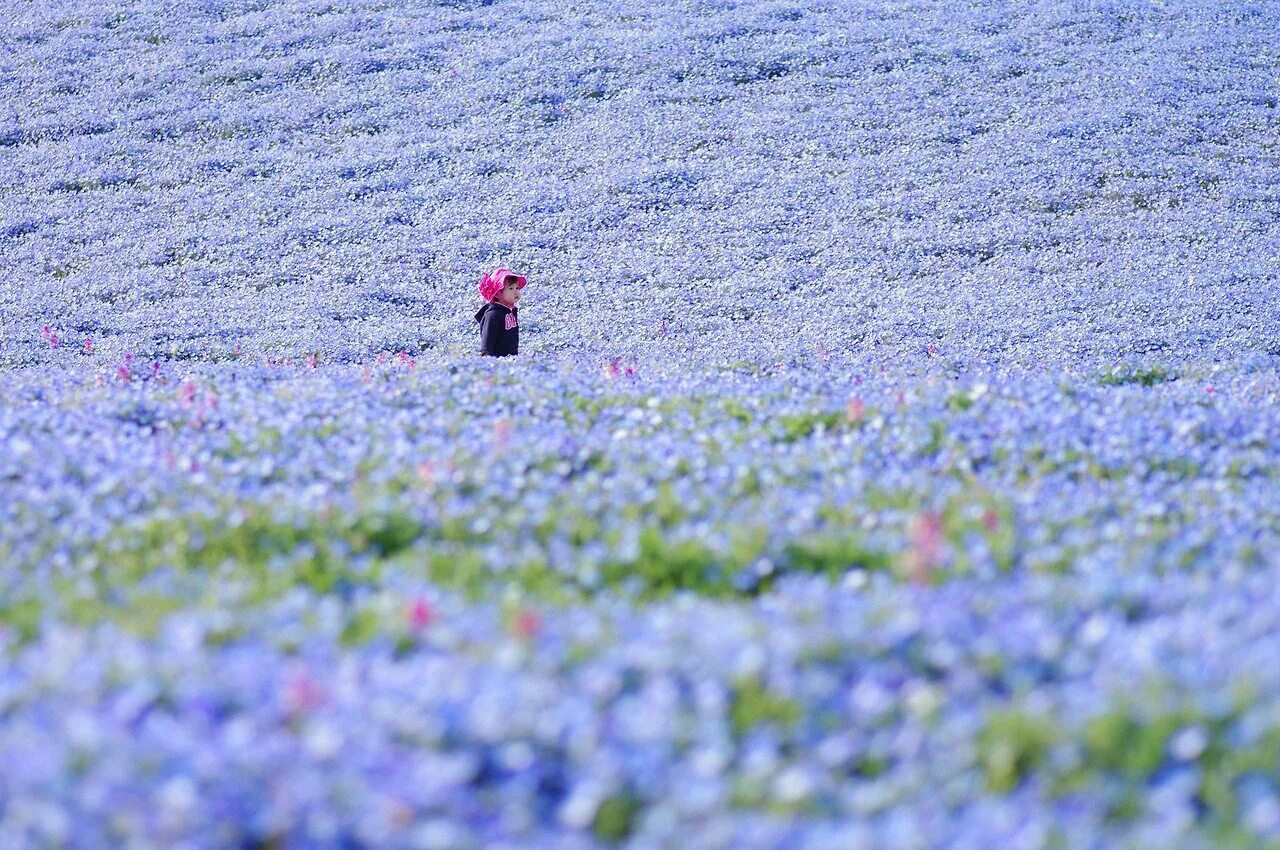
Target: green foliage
[(616, 817), (978, 512), (1134, 746), (665, 565), (667, 509), (362, 626), (801, 425), (1222, 768), (1143, 377), (1129, 746), (937, 438), (23, 617), (735, 410), (752, 704), (833, 555), (1121, 741), (464, 571), (264, 553), (1012, 744), (871, 766), (147, 569)]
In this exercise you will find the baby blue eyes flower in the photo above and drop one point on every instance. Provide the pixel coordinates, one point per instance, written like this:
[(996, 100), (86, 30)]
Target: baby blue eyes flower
[(891, 466)]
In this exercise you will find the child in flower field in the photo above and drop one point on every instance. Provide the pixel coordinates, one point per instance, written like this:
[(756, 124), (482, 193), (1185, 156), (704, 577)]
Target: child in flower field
[(499, 324)]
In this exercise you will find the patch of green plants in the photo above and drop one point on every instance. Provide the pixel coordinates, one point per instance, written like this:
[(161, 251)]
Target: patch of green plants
[(22, 617), (1012, 744), (269, 553), (752, 704), (665, 565), (937, 438), (1130, 745), (798, 426), (959, 402), (736, 410), (615, 819), (1143, 377), (145, 570), (1125, 742), (833, 555)]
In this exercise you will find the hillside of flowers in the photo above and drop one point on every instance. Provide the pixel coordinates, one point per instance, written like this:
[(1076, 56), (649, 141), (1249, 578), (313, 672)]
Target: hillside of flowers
[(892, 459)]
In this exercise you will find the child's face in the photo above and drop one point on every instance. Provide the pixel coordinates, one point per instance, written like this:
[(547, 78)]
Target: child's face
[(510, 291)]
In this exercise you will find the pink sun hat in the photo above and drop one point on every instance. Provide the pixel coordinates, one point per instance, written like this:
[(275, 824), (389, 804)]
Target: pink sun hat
[(491, 284)]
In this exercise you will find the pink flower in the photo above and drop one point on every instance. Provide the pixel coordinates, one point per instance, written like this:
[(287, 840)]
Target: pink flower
[(399, 812), (527, 623), (612, 370), (1211, 389), (990, 520), (855, 410), (420, 614), (931, 349), (124, 374), (88, 345), (302, 694), (929, 530), (924, 556), (311, 361), (239, 349), (503, 430), (155, 368), (187, 392), (365, 374)]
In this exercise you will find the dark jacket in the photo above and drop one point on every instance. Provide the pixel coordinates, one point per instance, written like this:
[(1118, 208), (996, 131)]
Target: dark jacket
[(499, 329)]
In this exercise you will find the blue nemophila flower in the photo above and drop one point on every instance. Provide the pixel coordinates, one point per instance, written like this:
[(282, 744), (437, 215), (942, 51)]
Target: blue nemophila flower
[(907, 483)]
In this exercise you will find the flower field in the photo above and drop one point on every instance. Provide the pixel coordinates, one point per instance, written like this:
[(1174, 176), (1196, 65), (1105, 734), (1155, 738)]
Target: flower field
[(892, 459)]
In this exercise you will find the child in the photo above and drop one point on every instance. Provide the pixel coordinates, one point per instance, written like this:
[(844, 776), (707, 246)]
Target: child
[(499, 324)]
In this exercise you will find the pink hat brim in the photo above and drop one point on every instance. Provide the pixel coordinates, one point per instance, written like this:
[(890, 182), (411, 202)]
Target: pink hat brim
[(502, 274)]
